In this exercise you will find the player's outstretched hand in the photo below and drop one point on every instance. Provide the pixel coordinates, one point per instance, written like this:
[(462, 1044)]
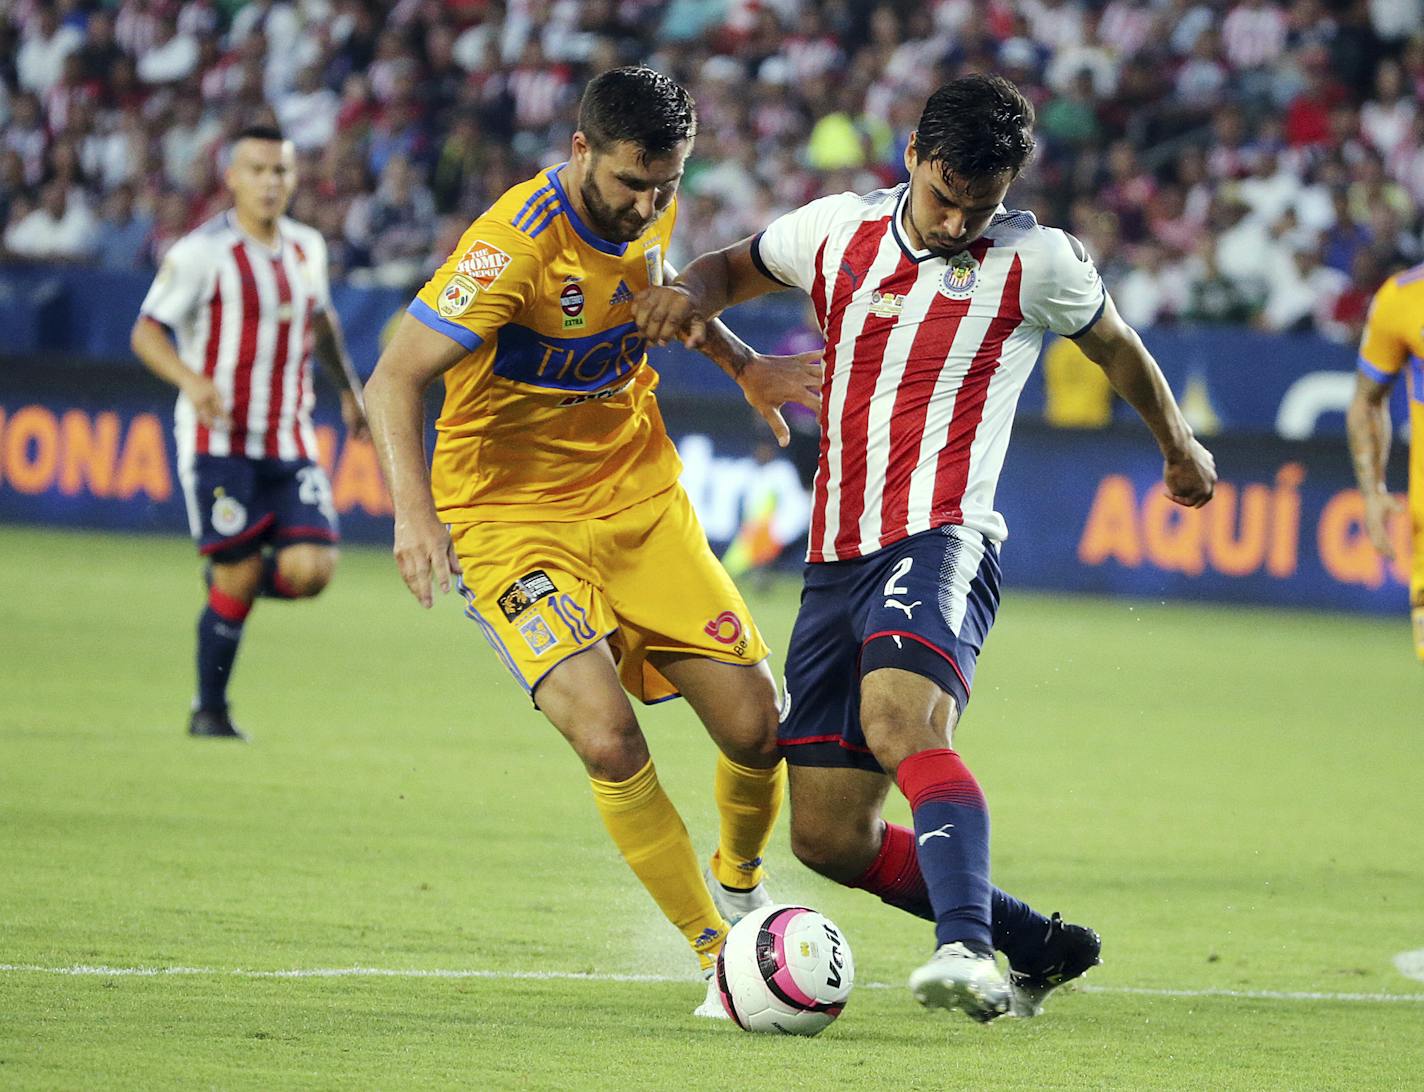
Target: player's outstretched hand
[(1380, 510), (207, 401), (1191, 476), (424, 553), (769, 382), (353, 416), (669, 313)]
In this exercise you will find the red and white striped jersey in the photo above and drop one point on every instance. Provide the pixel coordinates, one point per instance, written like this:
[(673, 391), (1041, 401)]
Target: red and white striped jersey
[(242, 314), (925, 359)]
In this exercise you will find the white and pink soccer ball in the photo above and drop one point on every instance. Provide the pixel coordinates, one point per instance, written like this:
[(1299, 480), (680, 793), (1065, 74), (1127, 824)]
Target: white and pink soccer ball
[(785, 969)]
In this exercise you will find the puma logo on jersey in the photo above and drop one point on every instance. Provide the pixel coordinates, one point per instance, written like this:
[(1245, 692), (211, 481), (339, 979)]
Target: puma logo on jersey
[(909, 610), (855, 278)]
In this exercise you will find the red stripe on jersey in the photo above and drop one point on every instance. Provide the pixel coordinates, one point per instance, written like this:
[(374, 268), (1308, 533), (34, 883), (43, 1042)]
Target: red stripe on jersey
[(277, 384), (952, 474), (246, 351), (818, 287), (865, 367), (302, 366), (859, 253), (923, 369), (210, 357)]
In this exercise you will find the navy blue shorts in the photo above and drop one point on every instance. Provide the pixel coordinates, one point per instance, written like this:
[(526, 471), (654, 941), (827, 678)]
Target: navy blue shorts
[(924, 604), (237, 505)]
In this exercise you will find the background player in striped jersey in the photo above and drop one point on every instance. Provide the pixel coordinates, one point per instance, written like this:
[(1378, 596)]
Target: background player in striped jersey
[(246, 295), (1393, 343), (933, 300), (554, 492)]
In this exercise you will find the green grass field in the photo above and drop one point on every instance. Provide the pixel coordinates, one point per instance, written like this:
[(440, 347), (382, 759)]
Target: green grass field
[(1232, 797)]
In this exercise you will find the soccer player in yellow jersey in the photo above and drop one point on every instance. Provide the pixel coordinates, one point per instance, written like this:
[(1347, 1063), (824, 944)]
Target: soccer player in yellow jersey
[(554, 491), (1393, 343)]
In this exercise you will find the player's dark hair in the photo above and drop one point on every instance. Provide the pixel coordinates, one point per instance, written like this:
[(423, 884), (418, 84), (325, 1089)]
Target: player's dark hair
[(975, 127), (637, 105), (259, 132)]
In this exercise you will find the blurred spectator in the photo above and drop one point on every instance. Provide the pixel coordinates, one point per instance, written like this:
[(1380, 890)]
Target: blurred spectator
[(40, 62), (122, 234), (1157, 118), (61, 229)]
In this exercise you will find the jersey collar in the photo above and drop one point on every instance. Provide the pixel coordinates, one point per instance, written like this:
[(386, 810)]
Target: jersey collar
[(902, 238), (582, 230), (270, 251)]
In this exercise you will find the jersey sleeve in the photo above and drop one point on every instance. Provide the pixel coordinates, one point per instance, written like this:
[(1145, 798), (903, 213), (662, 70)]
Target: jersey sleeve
[(487, 282), (786, 250), (179, 286), (318, 273), (1383, 353), (1063, 292)]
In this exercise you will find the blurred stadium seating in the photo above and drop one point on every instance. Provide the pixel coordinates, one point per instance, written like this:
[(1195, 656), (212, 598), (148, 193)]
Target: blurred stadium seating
[(1226, 162)]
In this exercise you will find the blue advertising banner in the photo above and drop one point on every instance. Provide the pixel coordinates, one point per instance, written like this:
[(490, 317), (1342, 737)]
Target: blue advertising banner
[(92, 447), (1231, 380), (1088, 512)]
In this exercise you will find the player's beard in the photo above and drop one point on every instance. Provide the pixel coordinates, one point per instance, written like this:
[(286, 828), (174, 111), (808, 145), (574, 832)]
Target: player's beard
[(608, 222)]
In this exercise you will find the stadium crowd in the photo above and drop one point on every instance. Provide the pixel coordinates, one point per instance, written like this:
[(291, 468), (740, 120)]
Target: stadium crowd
[(1224, 160)]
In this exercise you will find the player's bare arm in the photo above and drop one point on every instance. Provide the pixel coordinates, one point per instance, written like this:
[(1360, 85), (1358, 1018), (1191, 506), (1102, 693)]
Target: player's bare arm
[(330, 351), (1368, 426), (767, 382), (153, 346), (683, 310), (1189, 470), (395, 408)]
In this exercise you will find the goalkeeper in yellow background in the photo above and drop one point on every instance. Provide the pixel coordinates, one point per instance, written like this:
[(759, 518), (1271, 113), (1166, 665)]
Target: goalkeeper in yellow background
[(1393, 344), (553, 493)]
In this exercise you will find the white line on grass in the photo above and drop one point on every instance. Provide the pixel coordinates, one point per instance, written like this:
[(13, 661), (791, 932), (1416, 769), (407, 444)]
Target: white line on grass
[(99, 971)]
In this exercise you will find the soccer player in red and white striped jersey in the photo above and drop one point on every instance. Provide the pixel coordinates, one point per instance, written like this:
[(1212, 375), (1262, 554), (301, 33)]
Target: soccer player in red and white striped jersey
[(933, 300), (247, 298)]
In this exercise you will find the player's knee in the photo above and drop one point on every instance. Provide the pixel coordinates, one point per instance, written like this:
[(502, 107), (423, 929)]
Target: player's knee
[(825, 850), (309, 572), (240, 580), (750, 737), (613, 757)]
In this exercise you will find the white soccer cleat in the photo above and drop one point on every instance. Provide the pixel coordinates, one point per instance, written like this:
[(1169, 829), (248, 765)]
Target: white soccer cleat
[(957, 978), (712, 1007), (734, 904)]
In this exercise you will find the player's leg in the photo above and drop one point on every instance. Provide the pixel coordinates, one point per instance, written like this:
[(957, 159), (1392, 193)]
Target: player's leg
[(583, 698), (923, 631), (299, 571), (305, 530), (738, 707), (685, 629), (229, 531), (533, 594)]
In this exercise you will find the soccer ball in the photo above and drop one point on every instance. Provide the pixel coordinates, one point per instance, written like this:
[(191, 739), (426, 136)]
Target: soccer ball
[(785, 969)]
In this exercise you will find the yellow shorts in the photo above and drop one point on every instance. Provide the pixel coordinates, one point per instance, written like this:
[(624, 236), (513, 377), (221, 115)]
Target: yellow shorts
[(644, 578)]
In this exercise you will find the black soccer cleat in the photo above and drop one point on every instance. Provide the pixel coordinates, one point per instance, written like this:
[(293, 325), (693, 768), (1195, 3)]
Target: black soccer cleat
[(1068, 951), (212, 725)]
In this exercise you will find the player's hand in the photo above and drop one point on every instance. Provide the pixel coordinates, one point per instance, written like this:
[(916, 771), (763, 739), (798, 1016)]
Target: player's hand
[(353, 416), (207, 401), (669, 313), (1380, 510), (424, 553), (1191, 476), (769, 382)]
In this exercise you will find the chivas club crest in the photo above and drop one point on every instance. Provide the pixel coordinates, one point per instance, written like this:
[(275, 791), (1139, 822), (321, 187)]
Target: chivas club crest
[(960, 278)]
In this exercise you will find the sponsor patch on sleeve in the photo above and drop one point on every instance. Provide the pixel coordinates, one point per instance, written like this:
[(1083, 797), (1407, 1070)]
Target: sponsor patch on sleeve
[(524, 593), (457, 297), (483, 263)]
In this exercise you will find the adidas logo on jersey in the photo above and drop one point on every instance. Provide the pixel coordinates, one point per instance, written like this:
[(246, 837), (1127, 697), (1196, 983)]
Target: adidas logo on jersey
[(623, 294)]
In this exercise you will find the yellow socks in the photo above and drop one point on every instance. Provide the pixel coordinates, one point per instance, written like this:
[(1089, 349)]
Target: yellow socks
[(650, 835), (748, 800), (1418, 615)]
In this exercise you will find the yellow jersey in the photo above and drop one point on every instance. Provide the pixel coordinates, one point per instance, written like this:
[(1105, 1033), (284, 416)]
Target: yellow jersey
[(1393, 343), (551, 416)]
